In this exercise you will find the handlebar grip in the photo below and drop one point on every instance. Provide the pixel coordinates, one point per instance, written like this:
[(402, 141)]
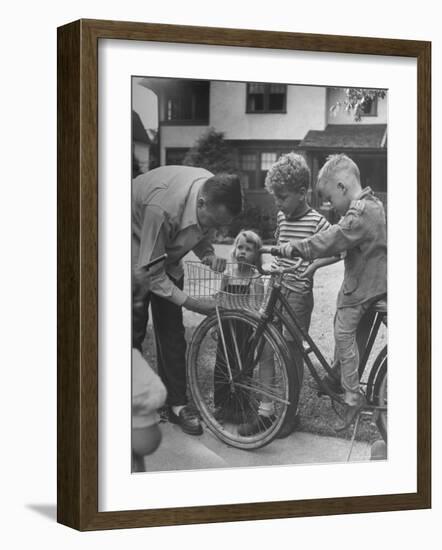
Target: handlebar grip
[(276, 251), (155, 261), (273, 250)]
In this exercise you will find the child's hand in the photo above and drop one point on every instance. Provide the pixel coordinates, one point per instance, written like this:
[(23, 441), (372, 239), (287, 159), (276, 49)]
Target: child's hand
[(309, 272), (285, 251)]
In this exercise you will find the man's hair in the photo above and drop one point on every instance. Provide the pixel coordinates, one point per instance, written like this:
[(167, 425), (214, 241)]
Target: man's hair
[(290, 172), (337, 163), (224, 189)]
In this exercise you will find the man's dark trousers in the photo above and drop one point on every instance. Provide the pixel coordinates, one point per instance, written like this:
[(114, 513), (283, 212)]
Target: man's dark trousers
[(169, 338)]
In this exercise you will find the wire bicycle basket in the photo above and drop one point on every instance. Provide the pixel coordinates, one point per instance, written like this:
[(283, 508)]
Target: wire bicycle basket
[(239, 286)]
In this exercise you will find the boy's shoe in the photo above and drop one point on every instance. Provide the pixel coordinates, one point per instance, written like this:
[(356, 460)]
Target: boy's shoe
[(289, 427), (333, 383), (188, 420), (258, 424), (350, 414)]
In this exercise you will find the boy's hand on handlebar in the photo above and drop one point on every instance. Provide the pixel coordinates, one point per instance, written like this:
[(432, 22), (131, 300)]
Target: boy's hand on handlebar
[(309, 272), (203, 307), (215, 263), (281, 251)]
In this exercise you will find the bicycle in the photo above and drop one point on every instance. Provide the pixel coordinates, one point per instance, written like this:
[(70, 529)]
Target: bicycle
[(228, 347)]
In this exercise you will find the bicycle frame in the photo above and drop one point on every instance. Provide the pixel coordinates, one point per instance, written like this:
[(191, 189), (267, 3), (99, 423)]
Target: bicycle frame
[(278, 306)]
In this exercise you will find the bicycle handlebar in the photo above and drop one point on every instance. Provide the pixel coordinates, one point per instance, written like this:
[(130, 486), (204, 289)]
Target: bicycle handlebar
[(275, 251)]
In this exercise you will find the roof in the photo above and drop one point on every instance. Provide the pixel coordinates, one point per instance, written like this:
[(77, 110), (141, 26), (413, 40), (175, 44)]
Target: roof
[(347, 136), (138, 131)]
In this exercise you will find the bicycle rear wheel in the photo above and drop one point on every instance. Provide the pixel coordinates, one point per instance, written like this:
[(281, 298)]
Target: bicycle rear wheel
[(380, 392), (228, 380)]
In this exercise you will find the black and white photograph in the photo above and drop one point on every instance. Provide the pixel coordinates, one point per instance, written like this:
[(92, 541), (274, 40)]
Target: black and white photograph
[(259, 274)]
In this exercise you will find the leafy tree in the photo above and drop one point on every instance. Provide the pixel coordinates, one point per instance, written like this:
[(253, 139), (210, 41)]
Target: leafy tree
[(211, 152), (357, 100)]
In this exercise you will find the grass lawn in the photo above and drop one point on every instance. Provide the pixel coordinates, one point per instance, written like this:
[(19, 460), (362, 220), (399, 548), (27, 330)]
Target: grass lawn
[(317, 415)]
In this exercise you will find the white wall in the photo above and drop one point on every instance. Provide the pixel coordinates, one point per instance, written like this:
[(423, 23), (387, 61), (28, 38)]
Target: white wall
[(28, 277), (305, 111), (178, 136)]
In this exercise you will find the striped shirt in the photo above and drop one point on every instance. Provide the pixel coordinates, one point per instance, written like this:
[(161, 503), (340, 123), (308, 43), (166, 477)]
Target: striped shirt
[(308, 224)]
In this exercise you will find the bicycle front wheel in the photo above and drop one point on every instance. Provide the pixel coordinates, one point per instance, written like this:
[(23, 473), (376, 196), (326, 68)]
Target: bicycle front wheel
[(232, 372)]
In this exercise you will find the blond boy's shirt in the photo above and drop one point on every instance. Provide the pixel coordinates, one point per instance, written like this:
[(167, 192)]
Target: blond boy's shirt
[(362, 233)]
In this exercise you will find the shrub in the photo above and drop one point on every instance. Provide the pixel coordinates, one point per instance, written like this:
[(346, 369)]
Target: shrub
[(211, 152)]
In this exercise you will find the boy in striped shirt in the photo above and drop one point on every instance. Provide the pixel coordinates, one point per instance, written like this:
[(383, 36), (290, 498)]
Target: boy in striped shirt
[(288, 181)]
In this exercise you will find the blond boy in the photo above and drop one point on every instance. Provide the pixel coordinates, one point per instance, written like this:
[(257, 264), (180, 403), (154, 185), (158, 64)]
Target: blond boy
[(362, 234)]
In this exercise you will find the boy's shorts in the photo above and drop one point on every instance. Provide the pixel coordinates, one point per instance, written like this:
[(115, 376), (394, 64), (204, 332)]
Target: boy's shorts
[(148, 392)]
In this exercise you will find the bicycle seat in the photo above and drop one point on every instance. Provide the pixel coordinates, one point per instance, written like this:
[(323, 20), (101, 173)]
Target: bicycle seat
[(380, 306)]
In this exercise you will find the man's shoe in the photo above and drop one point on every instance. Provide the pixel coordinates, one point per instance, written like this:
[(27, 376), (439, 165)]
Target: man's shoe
[(258, 424), (188, 420), (350, 414), (289, 427), (227, 415)]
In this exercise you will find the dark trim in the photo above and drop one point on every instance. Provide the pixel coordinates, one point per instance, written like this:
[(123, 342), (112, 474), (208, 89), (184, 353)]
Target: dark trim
[(184, 123), (266, 112), (77, 220), (368, 150), (263, 143)]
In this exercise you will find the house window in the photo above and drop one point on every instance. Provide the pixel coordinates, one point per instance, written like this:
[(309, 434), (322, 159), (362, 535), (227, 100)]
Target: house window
[(267, 159), (189, 103), (266, 98), (255, 165), (248, 162), (249, 165), (369, 107)]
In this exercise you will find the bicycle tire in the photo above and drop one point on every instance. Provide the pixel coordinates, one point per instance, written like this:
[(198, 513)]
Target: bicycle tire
[(380, 388), (205, 354)]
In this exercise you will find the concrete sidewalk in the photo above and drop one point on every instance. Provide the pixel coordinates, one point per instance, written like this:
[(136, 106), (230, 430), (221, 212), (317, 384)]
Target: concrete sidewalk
[(179, 451)]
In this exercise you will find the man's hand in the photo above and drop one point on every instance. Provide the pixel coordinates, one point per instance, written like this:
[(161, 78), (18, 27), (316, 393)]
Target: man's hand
[(215, 263), (203, 307)]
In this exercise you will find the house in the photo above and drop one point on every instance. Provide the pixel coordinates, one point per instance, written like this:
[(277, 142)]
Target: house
[(141, 146), (261, 121)]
